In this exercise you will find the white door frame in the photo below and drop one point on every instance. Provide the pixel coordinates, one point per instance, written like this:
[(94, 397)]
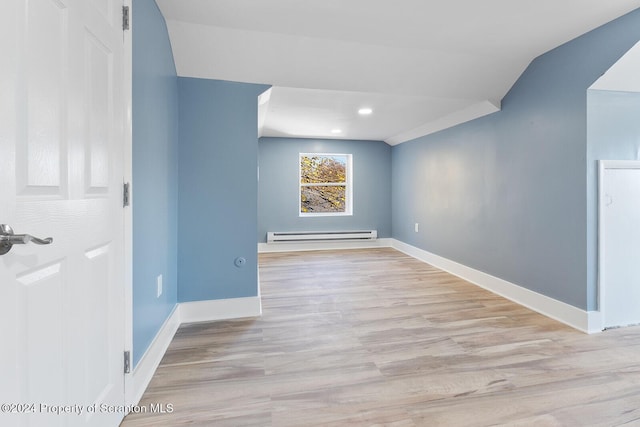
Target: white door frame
[(129, 386), (603, 165)]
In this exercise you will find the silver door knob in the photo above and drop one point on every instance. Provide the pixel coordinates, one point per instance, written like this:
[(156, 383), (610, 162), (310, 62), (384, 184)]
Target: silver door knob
[(8, 238)]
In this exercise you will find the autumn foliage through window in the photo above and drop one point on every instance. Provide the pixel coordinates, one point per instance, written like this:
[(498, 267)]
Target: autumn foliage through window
[(324, 183)]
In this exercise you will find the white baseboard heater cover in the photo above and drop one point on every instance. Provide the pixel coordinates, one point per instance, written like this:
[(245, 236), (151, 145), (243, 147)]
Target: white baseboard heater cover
[(314, 236)]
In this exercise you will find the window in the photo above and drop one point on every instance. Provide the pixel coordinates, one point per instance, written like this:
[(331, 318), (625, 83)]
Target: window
[(325, 184)]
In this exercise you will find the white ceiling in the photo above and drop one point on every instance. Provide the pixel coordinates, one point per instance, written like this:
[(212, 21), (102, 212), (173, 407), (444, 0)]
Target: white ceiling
[(421, 65), (623, 75)]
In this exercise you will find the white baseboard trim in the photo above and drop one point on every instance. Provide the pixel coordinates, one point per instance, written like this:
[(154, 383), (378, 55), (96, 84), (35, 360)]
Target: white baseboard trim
[(232, 308), (149, 362), (585, 321), (186, 312), (323, 246), (595, 322), (204, 311)]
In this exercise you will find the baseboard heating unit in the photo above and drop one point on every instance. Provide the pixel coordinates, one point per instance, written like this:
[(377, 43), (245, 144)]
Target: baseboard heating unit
[(315, 236)]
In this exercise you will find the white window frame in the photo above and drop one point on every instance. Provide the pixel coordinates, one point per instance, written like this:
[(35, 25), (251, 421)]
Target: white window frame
[(348, 184)]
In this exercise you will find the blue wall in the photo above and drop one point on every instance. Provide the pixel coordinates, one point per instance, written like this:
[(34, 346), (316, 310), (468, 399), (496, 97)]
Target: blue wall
[(278, 187), (155, 174), (506, 194), (511, 194), (218, 189), (613, 133)]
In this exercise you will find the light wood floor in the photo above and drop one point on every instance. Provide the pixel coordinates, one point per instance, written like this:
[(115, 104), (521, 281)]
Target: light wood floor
[(374, 337)]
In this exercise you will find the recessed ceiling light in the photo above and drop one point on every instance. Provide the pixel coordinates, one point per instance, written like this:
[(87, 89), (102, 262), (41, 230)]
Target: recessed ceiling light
[(336, 130), (365, 111)]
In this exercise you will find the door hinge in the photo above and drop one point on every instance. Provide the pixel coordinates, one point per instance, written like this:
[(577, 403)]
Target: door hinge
[(125, 17), (126, 196), (127, 362)]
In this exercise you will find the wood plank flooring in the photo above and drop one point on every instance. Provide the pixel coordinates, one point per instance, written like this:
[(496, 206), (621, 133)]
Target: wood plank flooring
[(377, 338)]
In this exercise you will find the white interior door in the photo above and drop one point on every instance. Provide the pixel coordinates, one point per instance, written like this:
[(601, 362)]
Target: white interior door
[(61, 154), (620, 245)]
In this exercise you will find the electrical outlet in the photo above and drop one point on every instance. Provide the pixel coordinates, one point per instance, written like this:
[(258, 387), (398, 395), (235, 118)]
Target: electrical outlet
[(417, 227), (159, 285)]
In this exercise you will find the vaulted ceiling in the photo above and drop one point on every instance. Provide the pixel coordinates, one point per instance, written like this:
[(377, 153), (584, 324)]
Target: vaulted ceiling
[(420, 65)]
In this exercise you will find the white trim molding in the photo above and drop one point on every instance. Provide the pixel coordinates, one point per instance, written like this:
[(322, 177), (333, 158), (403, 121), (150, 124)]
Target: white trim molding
[(234, 308), (129, 388), (585, 321), (220, 309), (603, 165), (146, 367), (323, 246), (186, 312)]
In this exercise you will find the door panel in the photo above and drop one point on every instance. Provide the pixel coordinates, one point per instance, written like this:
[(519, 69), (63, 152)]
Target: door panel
[(99, 86), (61, 156), (105, 7), (40, 305), (40, 168), (97, 261)]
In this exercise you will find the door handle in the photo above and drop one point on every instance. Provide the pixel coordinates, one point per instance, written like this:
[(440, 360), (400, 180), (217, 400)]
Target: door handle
[(8, 238)]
